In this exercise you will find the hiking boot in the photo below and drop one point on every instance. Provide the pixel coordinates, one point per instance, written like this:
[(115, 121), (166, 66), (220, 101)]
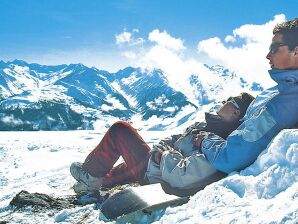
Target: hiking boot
[(82, 188), (83, 176)]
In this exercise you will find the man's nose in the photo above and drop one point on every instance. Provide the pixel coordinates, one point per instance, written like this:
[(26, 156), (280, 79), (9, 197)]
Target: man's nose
[(268, 56)]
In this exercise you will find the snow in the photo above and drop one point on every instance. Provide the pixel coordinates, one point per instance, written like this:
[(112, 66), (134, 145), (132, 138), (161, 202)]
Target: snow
[(130, 99), (115, 104), (131, 79), (11, 120), (265, 192)]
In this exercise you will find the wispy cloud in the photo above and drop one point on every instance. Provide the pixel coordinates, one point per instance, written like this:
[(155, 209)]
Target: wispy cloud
[(244, 51), (129, 54), (166, 52), (164, 39), (128, 38), (124, 37), (230, 38)]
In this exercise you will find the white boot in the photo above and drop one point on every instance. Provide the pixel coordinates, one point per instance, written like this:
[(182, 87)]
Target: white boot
[(84, 177), (81, 188)]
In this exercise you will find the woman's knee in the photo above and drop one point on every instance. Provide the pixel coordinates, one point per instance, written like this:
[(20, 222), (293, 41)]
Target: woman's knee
[(119, 125)]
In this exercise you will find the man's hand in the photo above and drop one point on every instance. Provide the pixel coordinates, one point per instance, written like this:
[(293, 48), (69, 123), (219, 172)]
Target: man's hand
[(198, 140)]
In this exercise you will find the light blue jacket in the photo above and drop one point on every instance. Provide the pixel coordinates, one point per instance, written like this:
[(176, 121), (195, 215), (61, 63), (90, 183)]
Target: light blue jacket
[(273, 110), (181, 166)]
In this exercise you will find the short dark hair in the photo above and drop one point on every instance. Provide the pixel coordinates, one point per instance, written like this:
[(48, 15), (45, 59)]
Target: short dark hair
[(289, 30)]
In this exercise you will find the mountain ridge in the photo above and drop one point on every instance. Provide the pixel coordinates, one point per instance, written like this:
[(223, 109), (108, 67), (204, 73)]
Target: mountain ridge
[(53, 97)]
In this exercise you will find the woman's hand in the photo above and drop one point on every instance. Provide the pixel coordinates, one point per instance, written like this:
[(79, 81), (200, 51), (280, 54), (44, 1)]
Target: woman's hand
[(157, 157), (198, 140)]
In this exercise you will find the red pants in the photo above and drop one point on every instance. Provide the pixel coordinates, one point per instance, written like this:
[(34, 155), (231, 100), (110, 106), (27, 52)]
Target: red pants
[(120, 140)]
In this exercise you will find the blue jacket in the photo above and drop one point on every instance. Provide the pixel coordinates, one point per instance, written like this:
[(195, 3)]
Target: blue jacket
[(273, 110)]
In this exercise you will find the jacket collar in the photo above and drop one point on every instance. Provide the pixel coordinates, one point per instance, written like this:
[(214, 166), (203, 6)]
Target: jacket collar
[(284, 77)]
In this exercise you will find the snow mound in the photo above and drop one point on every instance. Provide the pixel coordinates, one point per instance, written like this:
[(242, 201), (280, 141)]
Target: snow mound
[(265, 192)]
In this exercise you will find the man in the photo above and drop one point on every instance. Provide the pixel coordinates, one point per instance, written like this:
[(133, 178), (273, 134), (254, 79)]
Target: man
[(273, 110), (175, 161)]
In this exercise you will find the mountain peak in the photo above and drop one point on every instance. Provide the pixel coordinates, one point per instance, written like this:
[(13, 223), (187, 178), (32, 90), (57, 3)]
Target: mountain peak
[(78, 66), (127, 70), (18, 62)]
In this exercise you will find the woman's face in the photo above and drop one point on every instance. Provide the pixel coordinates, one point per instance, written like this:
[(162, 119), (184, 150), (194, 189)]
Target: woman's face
[(228, 112)]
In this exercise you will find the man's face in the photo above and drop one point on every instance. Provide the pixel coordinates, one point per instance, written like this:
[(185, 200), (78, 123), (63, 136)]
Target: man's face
[(282, 58), (228, 112)]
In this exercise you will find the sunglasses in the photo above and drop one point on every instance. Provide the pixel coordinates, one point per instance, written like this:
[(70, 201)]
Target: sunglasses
[(274, 47), (232, 101)]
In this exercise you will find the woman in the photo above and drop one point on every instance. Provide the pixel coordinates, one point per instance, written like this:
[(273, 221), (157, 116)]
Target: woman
[(176, 161)]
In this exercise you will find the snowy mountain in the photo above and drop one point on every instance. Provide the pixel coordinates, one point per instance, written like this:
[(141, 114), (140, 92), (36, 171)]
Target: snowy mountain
[(69, 97), (150, 93)]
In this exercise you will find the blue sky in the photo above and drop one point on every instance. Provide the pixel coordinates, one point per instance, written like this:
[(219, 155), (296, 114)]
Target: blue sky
[(61, 31)]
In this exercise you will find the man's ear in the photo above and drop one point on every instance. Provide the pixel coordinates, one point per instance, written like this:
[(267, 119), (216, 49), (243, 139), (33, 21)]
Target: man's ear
[(296, 51)]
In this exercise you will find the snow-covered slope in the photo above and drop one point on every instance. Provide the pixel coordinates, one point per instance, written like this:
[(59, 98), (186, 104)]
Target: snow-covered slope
[(150, 94), (265, 192)]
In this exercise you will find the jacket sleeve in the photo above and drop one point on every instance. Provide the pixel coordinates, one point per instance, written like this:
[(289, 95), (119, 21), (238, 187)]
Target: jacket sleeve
[(242, 146), (169, 141), (184, 172)]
